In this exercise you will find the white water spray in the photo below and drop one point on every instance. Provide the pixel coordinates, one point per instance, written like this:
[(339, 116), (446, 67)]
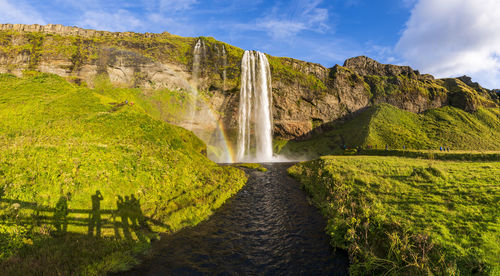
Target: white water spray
[(255, 111)]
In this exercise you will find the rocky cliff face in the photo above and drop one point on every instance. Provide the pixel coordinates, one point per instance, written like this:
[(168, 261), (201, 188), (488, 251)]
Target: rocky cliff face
[(305, 95), (317, 95)]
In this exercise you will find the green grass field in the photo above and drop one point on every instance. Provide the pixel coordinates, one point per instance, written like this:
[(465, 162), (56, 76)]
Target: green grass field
[(409, 216), (86, 181), (384, 124)]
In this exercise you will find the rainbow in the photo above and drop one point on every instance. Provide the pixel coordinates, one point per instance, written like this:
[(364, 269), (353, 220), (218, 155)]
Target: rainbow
[(227, 144)]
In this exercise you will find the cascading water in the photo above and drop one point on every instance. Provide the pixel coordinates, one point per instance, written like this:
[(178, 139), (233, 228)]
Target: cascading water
[(202, 120), (255, 114), (198, 53), (224, 66)]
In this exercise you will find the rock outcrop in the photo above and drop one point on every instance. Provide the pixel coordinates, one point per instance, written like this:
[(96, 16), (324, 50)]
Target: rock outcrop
[(306, 96), (365, 66)]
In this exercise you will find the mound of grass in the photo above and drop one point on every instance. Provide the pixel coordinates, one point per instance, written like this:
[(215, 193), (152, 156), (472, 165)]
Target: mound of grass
[(385, 125), (409, 216), (83, 171)]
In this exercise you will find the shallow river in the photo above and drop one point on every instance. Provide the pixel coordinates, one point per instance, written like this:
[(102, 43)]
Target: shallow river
[(267, 228)]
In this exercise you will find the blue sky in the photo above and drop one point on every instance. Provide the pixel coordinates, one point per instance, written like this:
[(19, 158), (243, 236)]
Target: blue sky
[(442, 37)]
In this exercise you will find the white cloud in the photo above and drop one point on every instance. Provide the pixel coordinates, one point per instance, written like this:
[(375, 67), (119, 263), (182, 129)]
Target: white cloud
[(454, 37), (408, 3), (118, 21), (381, 53), (18, 12), (173, 25), (286, 22), (176, 5)]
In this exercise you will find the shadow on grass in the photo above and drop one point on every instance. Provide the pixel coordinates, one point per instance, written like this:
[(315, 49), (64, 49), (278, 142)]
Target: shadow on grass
[(126, 219), (42, 238)]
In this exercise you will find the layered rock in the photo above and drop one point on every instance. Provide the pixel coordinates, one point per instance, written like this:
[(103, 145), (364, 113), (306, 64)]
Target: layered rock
[(305, 95)]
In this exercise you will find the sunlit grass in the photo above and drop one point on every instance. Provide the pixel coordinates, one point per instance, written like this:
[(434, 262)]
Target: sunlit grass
[(60, 140), (399, 215), (384, 125)]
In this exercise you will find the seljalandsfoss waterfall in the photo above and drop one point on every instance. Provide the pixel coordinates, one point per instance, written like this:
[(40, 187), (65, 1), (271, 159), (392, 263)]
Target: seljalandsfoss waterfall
[(254, 140), (255, 112)]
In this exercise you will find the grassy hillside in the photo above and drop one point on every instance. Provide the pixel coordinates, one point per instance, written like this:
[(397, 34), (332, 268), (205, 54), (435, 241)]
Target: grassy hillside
[(87, 180), (402, 216), (383, 124)]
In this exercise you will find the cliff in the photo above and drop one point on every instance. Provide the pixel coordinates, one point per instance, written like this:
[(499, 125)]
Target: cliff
[(305, 95)]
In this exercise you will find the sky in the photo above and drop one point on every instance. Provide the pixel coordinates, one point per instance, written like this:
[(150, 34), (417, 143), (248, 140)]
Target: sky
[(446, 38)]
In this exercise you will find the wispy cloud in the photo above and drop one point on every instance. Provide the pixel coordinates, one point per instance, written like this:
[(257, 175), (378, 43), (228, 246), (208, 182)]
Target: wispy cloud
[(381, 53), (454, 37), (120, 20), (286, 21), (176, 5), (19, 12), (168, 6)]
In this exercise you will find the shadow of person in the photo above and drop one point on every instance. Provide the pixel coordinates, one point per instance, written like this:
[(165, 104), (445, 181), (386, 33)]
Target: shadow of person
[(95, 215), (138, 219), (61, 214), (115, 215), (123, 212)]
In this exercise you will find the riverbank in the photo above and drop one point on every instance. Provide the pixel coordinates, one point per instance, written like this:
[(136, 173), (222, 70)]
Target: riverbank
[(88, 179), (267, 228), (407, 215)]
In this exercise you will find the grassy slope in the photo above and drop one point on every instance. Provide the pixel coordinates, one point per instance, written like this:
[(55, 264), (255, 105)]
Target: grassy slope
[(409, 216), (58, 138), (384, 124)]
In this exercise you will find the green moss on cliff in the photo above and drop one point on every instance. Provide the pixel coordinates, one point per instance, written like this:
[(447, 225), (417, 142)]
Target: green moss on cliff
[(282, 71)]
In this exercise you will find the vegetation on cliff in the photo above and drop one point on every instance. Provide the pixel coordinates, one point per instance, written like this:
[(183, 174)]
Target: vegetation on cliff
[(409, 216), (134, 48), (88, 178)]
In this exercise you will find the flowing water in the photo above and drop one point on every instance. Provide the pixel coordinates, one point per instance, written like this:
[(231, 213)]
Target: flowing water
[(200, 117), (224, 66), (268, 228), (255, 110), (198, 53)]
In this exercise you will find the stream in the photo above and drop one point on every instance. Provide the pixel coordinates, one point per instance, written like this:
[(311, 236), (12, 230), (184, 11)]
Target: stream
[(267, 228)]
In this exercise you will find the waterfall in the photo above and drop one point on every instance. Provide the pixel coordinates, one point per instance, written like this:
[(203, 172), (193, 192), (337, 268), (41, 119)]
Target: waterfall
[(201, 120), (198, 53), (255, 114), (224, 66)]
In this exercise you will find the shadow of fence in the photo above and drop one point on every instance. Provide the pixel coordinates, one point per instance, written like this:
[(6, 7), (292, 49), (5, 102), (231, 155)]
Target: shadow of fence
[(125, 221)]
